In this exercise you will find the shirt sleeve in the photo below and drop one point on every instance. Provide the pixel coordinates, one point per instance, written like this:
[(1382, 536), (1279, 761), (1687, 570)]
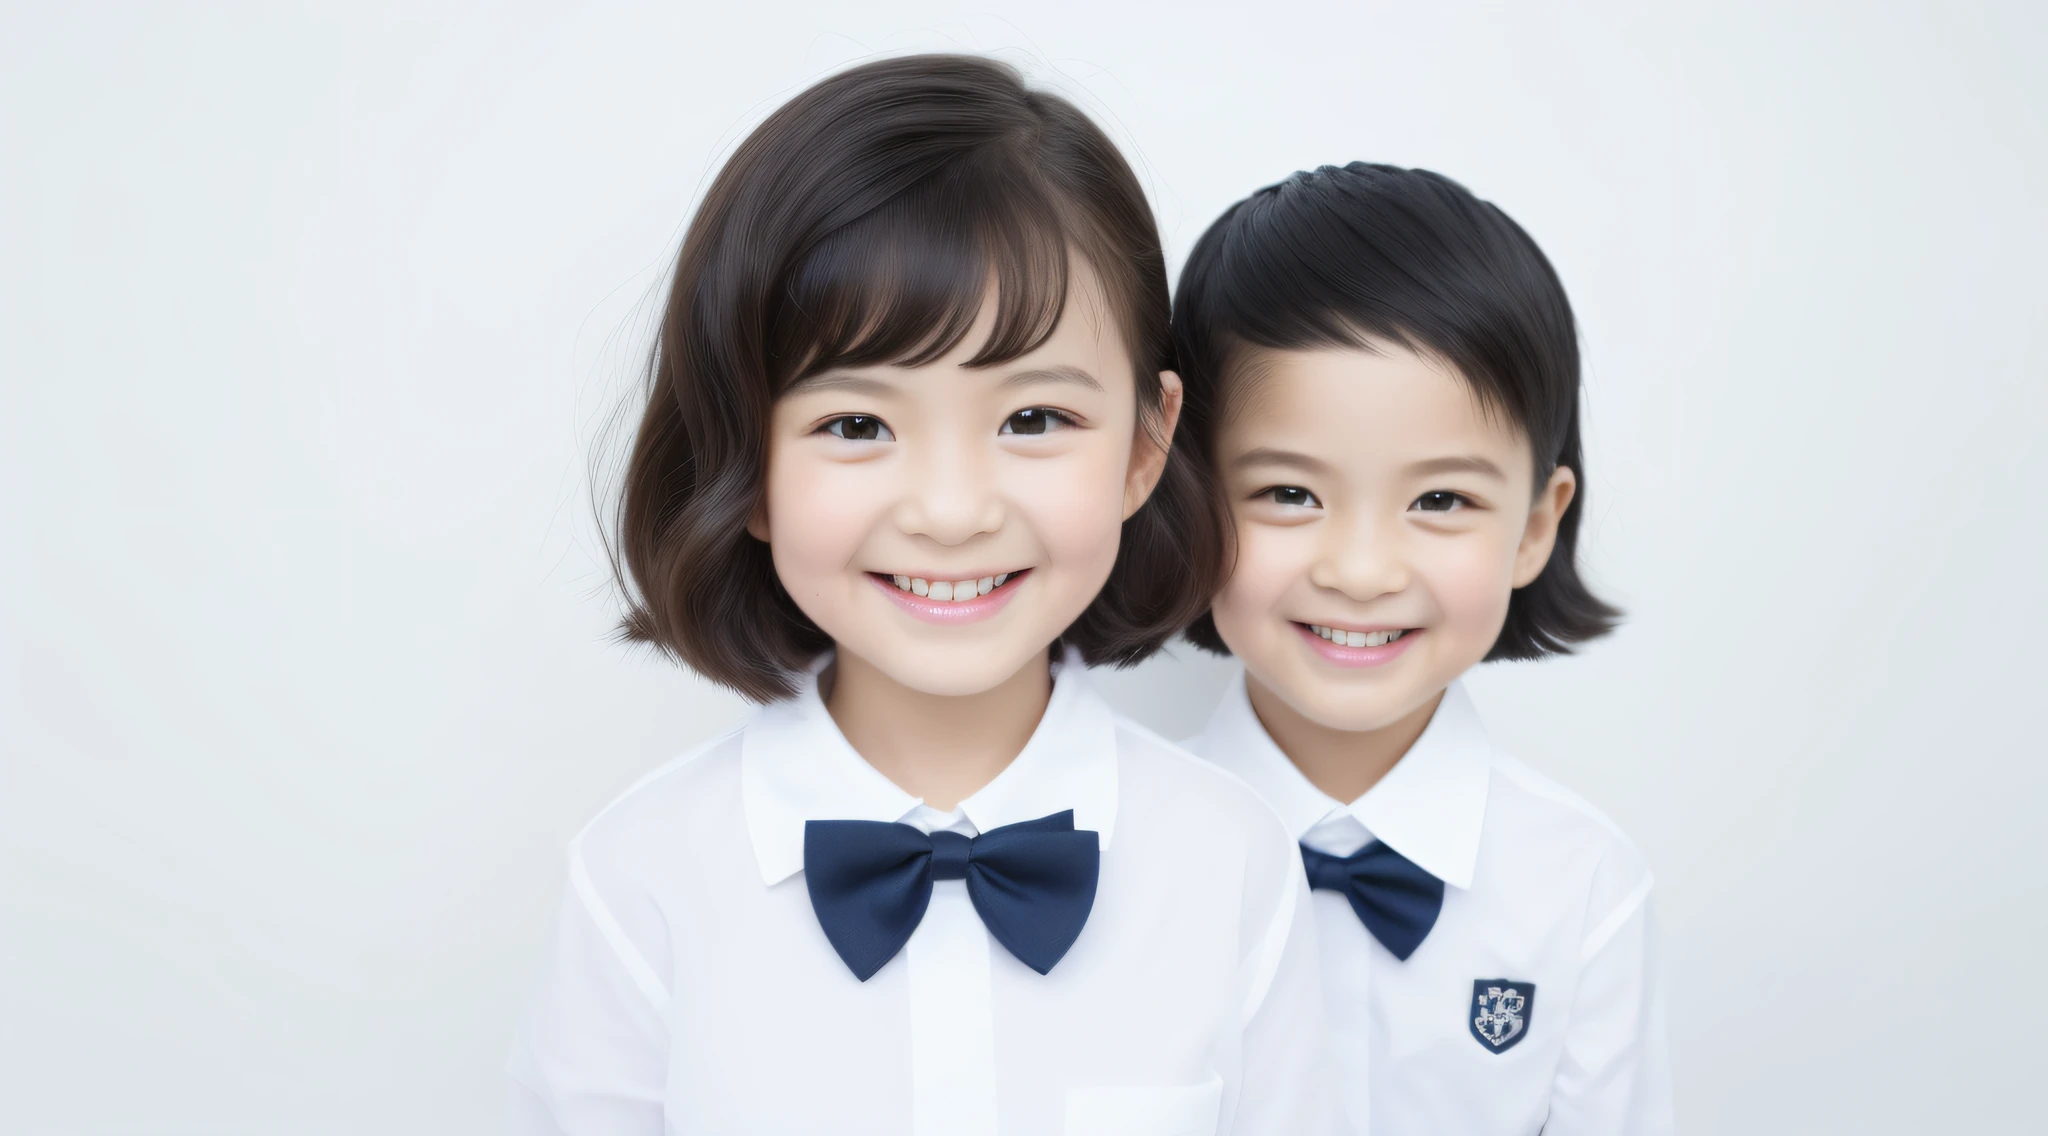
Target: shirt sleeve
[(1614, 1076), (1285, 1083), (591, 1055)]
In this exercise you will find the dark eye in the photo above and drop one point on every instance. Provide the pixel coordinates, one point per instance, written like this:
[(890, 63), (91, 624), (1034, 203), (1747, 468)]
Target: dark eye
[(1293, 495), (859, 428), (1440, 501), (1036, 420)]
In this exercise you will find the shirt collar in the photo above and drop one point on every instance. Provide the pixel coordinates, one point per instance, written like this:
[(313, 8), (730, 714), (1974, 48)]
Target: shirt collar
[(1237, 740), (795, 766), (1430, 807)]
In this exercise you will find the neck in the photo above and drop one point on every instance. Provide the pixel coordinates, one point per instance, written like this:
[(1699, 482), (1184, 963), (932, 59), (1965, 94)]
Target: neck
[(941, 747), (1342, 763)]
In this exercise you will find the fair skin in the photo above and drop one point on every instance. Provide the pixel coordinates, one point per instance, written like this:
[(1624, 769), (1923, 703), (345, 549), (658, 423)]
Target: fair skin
[(996, 494), (1383, 517)]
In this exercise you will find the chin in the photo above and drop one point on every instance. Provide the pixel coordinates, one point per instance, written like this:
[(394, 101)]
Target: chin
[(953, 671), (1346, 700), (1351, 714)]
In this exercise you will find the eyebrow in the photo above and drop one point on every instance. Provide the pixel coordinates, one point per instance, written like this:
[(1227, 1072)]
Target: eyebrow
[(1464, 463), (1267, 455), (1060, 373), (840, 380), (862, 384), (1289, 459)]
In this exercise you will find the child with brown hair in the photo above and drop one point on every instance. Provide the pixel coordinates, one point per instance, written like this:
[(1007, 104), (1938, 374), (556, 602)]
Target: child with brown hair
[(903, 475)]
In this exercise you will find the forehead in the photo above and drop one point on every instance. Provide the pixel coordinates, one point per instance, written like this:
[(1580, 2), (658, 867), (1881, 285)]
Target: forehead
[(1358, 408), (1087, 324)]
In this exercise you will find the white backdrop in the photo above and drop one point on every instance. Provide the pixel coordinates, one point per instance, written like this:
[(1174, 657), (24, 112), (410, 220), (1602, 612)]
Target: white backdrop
[(310, 323)]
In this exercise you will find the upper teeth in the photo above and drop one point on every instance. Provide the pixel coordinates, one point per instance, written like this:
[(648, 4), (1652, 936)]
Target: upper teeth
[(1356, 638), (951, 590)]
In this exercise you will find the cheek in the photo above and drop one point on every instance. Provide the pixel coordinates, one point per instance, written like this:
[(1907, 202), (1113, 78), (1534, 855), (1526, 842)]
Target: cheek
[(1269, 560), (1074, 505), (817, 515), (1470, 579)]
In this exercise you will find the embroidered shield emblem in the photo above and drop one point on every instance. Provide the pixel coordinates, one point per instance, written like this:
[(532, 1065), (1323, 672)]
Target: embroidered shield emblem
[(1500, 1010)]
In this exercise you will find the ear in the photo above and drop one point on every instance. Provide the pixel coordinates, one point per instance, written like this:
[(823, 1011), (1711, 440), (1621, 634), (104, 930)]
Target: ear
[(1539, 535), (757, 521), (1151, 444)]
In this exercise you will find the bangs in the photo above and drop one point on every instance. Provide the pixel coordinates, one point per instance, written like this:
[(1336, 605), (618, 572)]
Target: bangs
[(904, 284), (1296, 273)]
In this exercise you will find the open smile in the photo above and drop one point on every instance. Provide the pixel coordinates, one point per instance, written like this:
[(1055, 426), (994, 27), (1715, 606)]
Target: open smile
[(965, 599), (1358, 647)]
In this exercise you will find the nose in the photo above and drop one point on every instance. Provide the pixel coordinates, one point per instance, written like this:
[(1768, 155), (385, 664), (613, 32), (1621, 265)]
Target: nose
[(952, 496), (1361, 559)]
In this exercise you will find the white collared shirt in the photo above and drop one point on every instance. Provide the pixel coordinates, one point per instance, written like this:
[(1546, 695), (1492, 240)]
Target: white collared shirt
[(1541, 891), (692, 990)]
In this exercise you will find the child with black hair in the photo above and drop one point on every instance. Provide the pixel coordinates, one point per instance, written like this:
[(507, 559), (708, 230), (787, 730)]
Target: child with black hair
[(1382, 371)]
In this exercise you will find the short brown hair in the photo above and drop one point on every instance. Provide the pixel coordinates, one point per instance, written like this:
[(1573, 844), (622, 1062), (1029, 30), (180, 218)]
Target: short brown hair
[(861, 224)]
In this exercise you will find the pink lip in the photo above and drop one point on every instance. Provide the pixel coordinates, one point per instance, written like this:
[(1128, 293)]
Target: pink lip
[(947, 612), (1358, 656)]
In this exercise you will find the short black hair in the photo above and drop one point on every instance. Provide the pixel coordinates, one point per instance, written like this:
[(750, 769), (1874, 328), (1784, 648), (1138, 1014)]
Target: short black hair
[(861, 224), (1345, 255)]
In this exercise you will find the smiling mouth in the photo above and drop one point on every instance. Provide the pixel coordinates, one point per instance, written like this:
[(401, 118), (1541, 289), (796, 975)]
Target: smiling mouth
[(1341, 638), (951, 591)]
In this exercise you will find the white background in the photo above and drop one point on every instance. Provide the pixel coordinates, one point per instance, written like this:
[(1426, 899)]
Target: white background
[(311, 323)]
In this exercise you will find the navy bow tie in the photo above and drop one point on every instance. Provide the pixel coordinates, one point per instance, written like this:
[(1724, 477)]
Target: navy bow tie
[(1396, 900), (1033, 884)]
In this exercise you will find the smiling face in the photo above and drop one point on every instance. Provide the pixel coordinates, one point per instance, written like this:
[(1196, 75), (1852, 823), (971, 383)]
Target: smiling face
[(1383, 516), (944, 523)]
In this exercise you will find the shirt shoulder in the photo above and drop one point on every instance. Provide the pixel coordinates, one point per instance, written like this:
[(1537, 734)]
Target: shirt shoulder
[(657, 818), (1197, 795), (1551, 832), (1194, 812), (1543, 800)]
